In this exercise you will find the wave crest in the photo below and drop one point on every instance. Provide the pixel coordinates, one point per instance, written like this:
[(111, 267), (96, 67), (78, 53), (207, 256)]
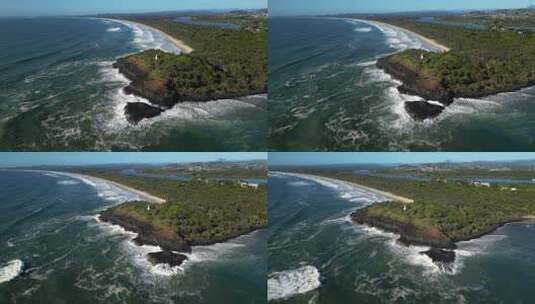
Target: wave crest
[(10, 270), (288, 283)]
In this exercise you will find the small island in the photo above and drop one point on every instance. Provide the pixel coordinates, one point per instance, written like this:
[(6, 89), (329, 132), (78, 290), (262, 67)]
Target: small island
[(217, 62), (445, 209), (485, 53), (178, 214)]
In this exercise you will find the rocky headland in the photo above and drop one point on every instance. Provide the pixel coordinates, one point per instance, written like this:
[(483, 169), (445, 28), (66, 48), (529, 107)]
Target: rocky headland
[(440, 78), (414, 232), (220, 64), (149, 234), (416, 82), (410, 233)]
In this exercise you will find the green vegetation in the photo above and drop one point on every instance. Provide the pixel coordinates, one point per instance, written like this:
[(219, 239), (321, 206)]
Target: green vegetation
[(199, 212), (225, 63), (481, 61), (459, 210)]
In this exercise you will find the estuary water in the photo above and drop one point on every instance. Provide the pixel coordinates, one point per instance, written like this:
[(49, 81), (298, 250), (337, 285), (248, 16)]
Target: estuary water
[(317, 255), (58, 90), (327, 94), (54, 248)]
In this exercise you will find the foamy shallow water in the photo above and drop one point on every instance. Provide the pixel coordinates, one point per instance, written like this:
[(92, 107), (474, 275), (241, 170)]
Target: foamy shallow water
[(10, 270), (288, 283)]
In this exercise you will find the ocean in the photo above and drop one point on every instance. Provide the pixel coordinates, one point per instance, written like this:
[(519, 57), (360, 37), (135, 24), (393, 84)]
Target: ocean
[(54, 248), (326, 94), (317, 255), (59, 91)]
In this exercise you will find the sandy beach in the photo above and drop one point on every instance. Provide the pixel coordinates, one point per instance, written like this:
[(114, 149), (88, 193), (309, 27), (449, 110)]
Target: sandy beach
[(432, 42), (143, 195), (388, 195), (186, 49)]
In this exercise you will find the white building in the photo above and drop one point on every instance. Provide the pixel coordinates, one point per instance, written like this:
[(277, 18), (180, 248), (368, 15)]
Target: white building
[(248, 185)]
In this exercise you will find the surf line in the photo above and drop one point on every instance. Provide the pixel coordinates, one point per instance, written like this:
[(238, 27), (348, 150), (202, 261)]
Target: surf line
[(388, 195)]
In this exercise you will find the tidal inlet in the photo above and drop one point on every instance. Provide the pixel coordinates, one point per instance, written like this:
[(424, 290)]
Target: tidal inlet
[(440, 78), (130, 228), (401, 228), (181, 80)]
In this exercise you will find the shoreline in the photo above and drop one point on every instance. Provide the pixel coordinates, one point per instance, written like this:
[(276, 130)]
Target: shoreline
[(184, 48), (386, 194), (393, 196), (441, 48), (144, 195)]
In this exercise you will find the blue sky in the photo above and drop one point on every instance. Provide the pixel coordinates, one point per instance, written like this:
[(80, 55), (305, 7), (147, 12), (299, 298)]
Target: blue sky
[(319, 158), (8, 159), (311, 7), (80, 7)]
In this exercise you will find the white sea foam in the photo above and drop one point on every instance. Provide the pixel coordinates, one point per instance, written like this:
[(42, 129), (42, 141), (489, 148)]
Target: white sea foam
[(363, 29), (285, 284), (367, 63), (106, 190), (147, 38), (299, 184), (10, 270), (114, 29), (345, 190), (68, 182)]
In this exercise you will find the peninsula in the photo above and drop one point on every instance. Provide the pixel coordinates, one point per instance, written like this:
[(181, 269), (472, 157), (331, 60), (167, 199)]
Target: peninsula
[(176, 215), (473, 62), (443, 212), (215, 63)]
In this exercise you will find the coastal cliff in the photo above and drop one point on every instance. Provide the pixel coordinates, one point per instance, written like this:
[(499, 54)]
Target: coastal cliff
[(148, 233), (415, 80), (410, 232), (439, 78)]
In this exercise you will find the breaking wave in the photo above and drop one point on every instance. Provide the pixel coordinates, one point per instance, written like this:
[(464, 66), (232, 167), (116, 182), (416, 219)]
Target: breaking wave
[(285, 284), (146, 37), (345, 190), (10, 270)]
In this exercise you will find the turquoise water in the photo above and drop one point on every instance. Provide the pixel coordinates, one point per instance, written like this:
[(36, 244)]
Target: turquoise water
[(59, 91), (309, 226), (327, 94), (48, 225)]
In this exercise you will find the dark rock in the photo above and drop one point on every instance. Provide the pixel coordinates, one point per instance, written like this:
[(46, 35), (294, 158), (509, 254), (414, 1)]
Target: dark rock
[(137, 111), (420, 110), (443, 258), (166, 257)]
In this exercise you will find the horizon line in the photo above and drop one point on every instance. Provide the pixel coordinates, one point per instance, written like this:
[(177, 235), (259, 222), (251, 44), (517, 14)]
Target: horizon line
[(134, 12)]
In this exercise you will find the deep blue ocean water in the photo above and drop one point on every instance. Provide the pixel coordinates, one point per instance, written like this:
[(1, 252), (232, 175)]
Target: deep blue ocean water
[(54, 248), (313, 245), (59, 91)]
